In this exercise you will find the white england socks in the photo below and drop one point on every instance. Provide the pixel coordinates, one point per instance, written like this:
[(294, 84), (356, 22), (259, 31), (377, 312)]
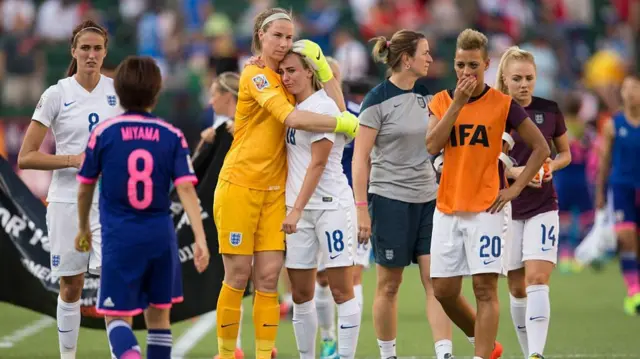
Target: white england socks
[(68, 318), (326, 309), (387, 348), (349, 317), (443, 347), (538, 313), (519, 318), (305, 327)]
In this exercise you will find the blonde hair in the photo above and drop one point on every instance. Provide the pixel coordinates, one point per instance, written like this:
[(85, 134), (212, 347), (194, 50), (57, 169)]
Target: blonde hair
[(390, 51), (228, 82), (260, 24), (512, 53), (470, 39)]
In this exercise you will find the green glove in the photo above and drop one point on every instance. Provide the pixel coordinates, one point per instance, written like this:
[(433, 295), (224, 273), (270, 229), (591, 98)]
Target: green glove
[(347, 123), (313, 53)]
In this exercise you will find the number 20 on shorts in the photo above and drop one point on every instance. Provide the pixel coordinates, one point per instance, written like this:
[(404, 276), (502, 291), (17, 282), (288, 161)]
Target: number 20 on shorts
[(490, 246)]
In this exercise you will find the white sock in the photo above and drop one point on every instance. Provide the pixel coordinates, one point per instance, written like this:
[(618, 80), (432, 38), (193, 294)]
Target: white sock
[(472, 340), (519, 318), (239, 339), (443, 347), (288, 298), (387, 348), (68, 315), (478, 358), (538, 313), (326, 312), (357, 290), (349, 317), (305, 327)]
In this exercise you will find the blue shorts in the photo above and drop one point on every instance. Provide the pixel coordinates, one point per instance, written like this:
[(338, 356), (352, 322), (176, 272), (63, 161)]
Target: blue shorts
[(400, 231), (574, 193), (626, 206), (131, 280)]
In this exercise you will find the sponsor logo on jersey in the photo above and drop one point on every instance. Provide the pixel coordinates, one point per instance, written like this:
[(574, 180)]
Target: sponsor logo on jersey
[(260, 81), (108, 302)]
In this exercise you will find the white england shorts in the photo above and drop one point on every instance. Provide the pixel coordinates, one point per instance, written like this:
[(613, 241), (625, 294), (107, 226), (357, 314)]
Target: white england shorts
[(469, 243), (323, 236), (535, 238), (363, 256), (62, 224)]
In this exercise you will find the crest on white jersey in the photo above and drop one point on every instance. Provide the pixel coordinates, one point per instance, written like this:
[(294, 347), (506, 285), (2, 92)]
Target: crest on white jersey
[(42, 98), (111, 100), (421, 101), (260, 81)]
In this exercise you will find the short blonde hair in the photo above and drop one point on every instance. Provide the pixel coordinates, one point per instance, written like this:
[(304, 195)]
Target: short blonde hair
[(512, 53), (228, 82), (470, 39), (315, 81)]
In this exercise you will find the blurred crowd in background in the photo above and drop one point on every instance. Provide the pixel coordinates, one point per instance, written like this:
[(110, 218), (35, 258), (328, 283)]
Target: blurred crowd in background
[(583, 48)]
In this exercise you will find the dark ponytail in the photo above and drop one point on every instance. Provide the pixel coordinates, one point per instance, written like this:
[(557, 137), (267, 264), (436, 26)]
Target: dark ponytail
[(87, 25)]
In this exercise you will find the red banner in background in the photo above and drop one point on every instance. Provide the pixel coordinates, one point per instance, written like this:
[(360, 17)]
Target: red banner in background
[(12, 131)]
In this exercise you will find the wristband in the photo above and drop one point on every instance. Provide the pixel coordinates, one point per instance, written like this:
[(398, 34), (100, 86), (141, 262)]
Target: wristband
[(361, 204)]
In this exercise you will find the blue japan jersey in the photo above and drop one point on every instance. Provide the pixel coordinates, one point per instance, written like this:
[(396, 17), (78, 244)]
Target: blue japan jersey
[(138, 156)]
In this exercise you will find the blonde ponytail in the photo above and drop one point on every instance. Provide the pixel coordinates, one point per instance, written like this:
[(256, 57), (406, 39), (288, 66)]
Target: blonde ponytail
[(512, 53)]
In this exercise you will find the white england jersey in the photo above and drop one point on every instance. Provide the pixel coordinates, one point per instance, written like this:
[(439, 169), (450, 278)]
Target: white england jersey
[(71, 112), (333, 186)]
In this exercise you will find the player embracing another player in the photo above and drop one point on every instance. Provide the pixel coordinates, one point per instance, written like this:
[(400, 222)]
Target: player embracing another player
[(321, 222), (533, 248), (138, 157), (249, 200), (470, 222)]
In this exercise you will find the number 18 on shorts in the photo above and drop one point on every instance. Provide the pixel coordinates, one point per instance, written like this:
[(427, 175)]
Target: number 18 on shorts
[(468, 244), (328, 236)]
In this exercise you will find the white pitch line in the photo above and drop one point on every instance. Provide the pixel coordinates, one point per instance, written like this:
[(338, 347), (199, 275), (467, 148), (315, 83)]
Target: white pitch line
[(8, 341), (193, 335)]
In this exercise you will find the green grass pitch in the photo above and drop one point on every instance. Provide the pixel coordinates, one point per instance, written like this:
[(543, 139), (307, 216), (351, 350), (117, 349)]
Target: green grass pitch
[(587, 321)]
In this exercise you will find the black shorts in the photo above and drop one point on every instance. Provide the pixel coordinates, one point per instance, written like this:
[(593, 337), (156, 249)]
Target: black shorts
[(400, 231)]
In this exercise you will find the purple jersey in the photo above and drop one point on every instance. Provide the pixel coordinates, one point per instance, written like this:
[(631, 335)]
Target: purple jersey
[(138, 157), (532, 201)]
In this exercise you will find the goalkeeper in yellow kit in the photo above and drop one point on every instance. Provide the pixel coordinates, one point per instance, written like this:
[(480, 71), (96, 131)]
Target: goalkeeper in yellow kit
[(249, 202)]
